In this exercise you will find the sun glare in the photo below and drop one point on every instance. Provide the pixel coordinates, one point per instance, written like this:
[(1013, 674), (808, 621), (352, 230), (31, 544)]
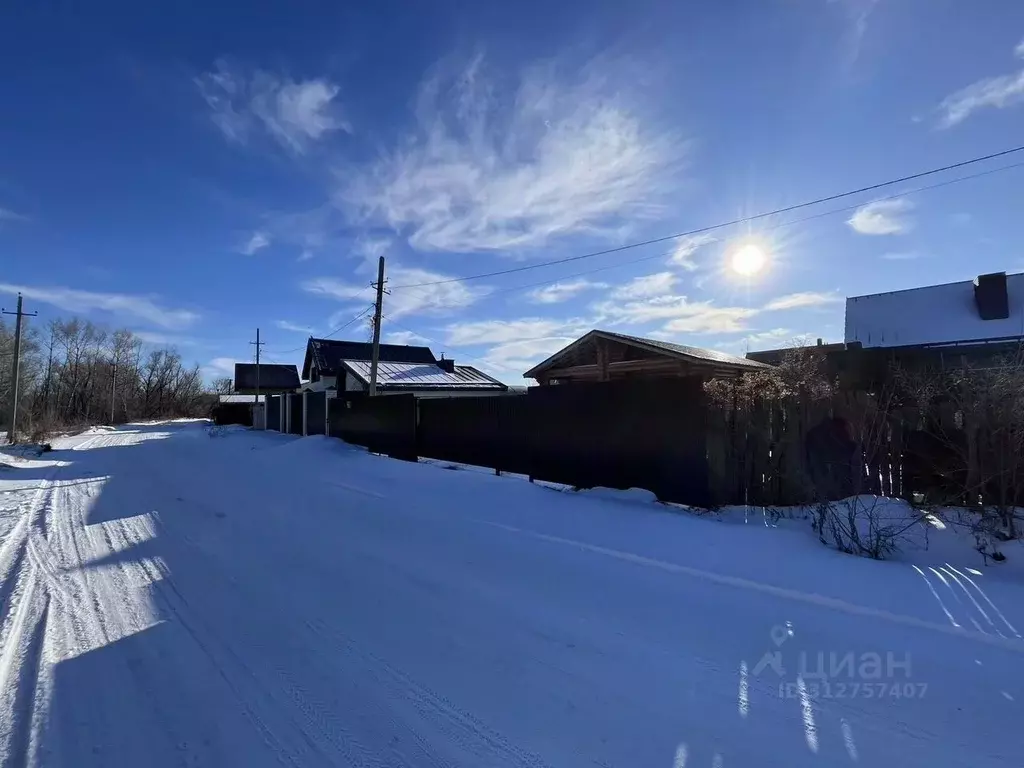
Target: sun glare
[(748, 260)]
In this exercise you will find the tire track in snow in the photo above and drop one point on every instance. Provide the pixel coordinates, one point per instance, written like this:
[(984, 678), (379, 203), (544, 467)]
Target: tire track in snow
[(458, 725), (821, 601), (20, 668), (31, 589)]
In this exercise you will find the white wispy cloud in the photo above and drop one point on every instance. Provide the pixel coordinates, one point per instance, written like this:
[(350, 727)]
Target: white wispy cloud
[(6, 214), (678, 313), (517, 357), (996, 92), (334, 288), (647, 286), (122, 304), (438, 299), (772, 336), (286, 325), (562, 291), (163, 339), (219, 367), (256, 242), (557, 156), (802, 299), (686, 248), (859, 12), (902, 255), (883, 217), (405, 337), (295, 114), (506, 331)]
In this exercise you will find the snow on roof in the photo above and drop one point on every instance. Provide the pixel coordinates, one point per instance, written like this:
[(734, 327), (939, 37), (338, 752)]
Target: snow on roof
[(415, 375), (933, 314), (238, 398)]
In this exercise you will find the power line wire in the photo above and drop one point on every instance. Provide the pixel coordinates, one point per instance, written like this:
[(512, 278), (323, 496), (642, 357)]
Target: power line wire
[(772, 227), (722, 225), (450, 347), (341, 327)]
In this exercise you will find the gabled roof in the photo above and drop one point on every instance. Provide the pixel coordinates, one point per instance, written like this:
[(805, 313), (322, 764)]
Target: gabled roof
[(422, 376), (710, 357), (273, 378), (327, 354)]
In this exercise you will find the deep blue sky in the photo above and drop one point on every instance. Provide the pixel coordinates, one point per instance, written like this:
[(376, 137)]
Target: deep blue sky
[(193, 172)]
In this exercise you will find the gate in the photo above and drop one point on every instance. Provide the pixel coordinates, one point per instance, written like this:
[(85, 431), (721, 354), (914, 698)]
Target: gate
[(316, 413), (295, 412), (274, 412)]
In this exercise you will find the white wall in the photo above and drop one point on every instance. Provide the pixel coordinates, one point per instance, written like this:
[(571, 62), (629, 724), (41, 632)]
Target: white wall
[(931, 315)]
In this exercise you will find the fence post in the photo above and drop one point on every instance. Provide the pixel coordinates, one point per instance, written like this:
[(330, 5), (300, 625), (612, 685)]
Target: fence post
[(327, 413), (288, 414), (305, 406)]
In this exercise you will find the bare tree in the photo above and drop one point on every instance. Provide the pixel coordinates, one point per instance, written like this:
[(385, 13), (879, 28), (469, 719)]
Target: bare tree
[(224, 386), (72, 370)]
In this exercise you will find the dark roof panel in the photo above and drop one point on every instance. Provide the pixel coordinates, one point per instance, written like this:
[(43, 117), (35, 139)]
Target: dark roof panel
[(698, 353), (327, 354), (273, 378)]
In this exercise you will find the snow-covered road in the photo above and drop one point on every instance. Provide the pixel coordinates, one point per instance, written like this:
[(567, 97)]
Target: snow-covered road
[(168, 598)]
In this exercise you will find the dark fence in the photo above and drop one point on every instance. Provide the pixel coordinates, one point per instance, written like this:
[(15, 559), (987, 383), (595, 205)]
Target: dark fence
[(295, 411), (274, 412), (316, 413), (487, 431), (644, 433), (647, 434), (232, 413), (385, 424)]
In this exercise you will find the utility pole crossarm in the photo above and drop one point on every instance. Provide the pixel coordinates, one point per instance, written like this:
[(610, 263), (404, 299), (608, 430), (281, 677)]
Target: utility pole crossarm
[(12, 427)]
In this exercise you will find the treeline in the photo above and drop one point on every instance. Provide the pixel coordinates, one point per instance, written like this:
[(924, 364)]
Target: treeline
[(74, 373)]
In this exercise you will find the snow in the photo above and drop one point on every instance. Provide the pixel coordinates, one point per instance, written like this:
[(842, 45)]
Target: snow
[(932, 314), (170, 599)]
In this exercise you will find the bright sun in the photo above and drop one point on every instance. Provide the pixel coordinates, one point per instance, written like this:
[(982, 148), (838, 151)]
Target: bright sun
[(748, 260)]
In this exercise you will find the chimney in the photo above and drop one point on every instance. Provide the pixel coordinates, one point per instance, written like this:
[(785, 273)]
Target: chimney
[(819, 342), (990, 296), (446, 365)]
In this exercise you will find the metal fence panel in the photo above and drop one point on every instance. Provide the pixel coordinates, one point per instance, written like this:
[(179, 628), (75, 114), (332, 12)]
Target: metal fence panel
[(274, 413), (295, 411), (385, 424), (316, 415), (486, 431), (647, 433)]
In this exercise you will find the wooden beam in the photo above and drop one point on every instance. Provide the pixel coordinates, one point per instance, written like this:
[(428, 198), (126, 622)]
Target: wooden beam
[(602, 359), (671, 367)]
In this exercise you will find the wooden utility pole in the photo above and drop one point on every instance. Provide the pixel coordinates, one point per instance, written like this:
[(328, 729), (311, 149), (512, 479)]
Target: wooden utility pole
[(258, 344), (378, 307), (12, 428)]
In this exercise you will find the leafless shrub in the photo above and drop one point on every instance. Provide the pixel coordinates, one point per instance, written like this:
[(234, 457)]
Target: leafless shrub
[(802, 374), (974, 415)]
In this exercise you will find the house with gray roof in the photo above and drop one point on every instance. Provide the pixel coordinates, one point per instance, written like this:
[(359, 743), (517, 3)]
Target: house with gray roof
[(344, 367)]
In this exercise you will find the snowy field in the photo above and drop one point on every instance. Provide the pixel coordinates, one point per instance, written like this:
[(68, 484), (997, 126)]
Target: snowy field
[(169, 598)]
